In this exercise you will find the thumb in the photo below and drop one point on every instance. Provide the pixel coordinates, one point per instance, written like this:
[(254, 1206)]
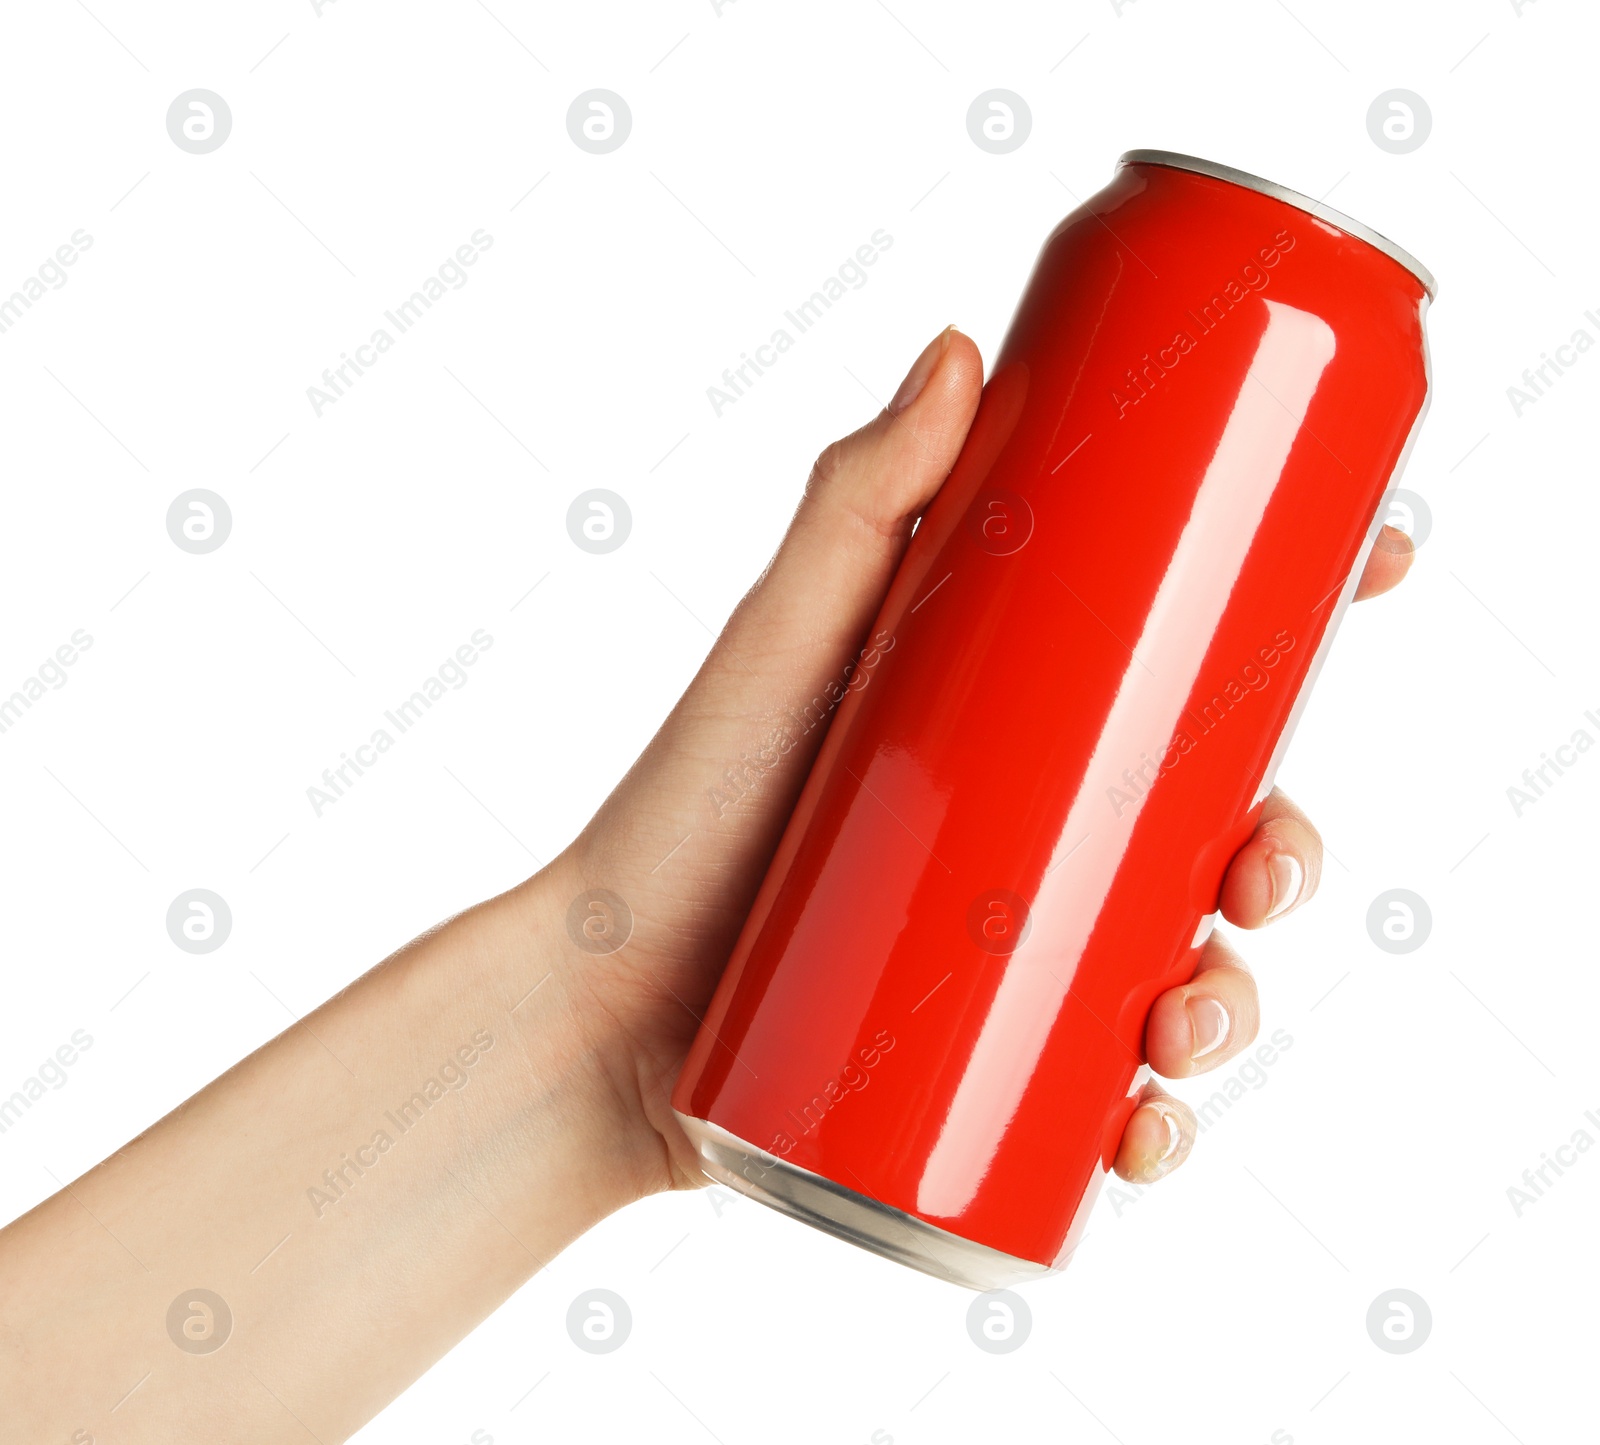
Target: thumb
[(716, 784)]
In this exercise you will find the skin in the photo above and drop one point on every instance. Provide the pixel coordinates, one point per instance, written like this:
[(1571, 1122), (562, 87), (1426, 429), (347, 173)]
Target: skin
[(563, 1116)]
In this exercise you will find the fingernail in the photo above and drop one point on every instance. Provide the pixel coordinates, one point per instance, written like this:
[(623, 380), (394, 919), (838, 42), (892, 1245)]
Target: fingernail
[(1168, 1157), (1392, 539), (921, 369), (1209, 1023), (1288, 878)]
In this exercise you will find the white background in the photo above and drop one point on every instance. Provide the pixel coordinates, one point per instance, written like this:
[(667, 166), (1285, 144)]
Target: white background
[(767, 144)]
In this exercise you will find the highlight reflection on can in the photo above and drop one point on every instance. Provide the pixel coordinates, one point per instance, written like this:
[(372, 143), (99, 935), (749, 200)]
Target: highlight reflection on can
[(930, 1034)]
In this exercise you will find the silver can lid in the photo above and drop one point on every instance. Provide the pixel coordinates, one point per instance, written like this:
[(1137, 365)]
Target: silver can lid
[(1293, 198)]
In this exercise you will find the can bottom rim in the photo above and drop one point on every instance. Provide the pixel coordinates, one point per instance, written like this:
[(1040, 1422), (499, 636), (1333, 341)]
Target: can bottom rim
[(856, 1218)]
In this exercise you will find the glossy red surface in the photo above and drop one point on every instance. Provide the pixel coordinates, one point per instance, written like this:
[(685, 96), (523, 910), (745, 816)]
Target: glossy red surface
[(1018, 824)]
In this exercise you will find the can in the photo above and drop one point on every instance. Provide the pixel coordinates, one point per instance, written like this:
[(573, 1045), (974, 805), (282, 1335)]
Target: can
[(1068, 713)]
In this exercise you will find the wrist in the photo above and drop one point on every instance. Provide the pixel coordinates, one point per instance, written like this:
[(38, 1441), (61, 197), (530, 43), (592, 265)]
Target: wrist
[(568, 1003)]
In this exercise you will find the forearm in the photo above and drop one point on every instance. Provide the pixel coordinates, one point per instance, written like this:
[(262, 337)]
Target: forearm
[(361, 1192)]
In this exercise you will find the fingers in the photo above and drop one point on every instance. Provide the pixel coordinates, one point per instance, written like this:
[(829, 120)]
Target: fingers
[(1191, 1030), (1216, 1014), (1277, 870), (1205, 1022), (1389, 561), (1159, 1135)]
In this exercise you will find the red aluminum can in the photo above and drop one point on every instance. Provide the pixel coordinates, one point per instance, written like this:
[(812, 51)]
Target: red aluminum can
[(1064, 722)]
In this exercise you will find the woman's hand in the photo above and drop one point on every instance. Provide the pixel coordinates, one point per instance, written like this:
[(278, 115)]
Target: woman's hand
[(688, 869), (365, 1188)]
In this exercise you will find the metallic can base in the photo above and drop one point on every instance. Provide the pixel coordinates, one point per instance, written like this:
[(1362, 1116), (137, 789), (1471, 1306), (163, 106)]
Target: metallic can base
[(855, 1217)]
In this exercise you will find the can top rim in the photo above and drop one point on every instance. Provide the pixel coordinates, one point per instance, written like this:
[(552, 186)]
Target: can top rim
[(1301, 202)]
